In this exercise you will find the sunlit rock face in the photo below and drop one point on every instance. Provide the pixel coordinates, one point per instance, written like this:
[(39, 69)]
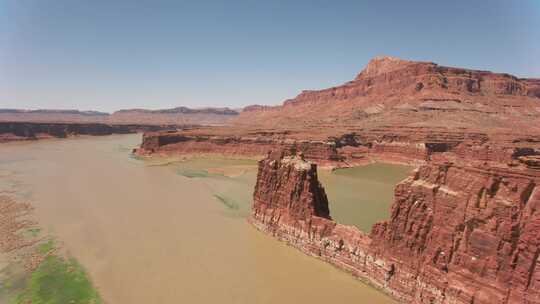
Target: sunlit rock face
[(472, 233), (457, 234)]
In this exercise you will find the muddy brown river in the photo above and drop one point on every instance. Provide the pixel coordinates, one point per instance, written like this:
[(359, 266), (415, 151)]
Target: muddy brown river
[(171, 231)]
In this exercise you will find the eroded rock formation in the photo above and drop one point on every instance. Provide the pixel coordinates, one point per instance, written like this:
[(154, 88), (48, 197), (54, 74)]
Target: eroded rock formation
[(457, 234)]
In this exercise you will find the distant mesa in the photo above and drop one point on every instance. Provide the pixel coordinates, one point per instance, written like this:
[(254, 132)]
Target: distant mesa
[(178, 116), (385, 64), (183, 110), (52, 111), (394, 92)]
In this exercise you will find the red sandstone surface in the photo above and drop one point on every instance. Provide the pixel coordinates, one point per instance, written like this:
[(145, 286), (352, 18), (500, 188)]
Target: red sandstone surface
[(456, 235)]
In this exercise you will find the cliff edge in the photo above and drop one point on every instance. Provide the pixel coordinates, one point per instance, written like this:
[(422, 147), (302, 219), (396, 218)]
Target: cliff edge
[(456, 235)]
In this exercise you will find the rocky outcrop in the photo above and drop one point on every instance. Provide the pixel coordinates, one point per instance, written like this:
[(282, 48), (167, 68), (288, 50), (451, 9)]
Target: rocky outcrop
[(457, 234), (287, 183), (14, 131)]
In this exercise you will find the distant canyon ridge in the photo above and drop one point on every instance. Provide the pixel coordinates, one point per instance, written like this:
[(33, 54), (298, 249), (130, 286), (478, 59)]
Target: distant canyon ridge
[(17, 124), (388, 92), (174, 116)]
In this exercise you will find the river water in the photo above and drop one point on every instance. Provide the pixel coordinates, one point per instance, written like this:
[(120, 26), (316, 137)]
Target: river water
[(169, 231)]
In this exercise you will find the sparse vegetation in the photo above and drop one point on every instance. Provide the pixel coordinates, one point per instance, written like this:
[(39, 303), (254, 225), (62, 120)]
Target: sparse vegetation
[(45, 247), (34, 231), (58, 281), (32, 271), (192, 173)]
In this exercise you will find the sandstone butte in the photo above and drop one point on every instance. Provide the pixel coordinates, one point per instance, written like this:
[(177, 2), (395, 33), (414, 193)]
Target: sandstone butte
[(464, 227)]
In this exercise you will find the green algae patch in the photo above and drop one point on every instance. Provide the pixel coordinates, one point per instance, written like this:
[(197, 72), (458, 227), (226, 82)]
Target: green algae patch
[(34, 232), (38, 274), (227, 202), (45, 247), (58, 281), (192, 173)]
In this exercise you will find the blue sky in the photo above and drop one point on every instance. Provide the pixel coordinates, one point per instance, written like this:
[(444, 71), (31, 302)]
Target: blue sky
[(108, 55)]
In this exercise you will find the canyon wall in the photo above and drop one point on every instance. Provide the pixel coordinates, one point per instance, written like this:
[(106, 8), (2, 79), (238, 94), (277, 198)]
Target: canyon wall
[(15, 131), (457, 234), (170, 143), (401, 145)]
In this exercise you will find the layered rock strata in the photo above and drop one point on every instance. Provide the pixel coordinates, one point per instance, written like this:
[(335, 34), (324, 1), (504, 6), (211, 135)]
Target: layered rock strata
[(456, 234), (391, 144), (396, 92), (323, 152)]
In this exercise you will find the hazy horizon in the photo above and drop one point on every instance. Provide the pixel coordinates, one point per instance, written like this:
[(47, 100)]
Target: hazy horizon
[(106, 56)]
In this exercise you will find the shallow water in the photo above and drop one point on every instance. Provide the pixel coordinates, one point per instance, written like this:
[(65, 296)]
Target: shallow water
[(165, 232), (362, 196)]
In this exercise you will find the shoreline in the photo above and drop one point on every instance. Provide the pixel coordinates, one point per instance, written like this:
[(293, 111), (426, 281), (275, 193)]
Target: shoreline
[(33, 261)]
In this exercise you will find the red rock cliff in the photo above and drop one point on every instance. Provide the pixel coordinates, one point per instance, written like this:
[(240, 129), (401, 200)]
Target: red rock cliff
[(456, 234), (473, 233)]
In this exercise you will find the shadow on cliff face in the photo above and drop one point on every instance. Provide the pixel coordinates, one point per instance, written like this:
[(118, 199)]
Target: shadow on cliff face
[(362, 196)]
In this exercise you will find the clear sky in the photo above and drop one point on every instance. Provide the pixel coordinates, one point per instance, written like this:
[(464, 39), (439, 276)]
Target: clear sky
[(106, 55)]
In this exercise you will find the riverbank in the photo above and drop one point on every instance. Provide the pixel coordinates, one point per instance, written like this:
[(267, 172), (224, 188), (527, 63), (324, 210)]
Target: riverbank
[(32, 267), (151, 232)]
